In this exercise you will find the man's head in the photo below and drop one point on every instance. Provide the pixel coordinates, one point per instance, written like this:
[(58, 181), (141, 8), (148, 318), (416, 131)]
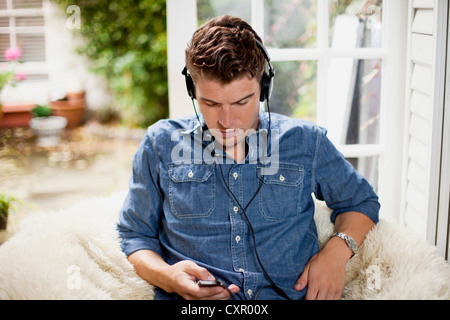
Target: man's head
[(224, 49), (226, 63)]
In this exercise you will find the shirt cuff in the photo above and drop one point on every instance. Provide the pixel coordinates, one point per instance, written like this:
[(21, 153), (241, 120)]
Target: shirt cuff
[(369, 208), (130, 245)]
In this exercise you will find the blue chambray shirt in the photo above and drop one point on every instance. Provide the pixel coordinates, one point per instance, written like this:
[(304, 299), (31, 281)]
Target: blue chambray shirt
[(179, 206)]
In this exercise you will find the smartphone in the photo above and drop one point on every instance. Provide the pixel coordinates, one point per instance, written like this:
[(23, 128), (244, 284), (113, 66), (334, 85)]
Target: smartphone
[(210, 283)]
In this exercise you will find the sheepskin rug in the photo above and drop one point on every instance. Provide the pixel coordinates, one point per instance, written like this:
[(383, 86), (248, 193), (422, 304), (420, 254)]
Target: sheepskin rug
[(70, 254), (390, 264), (75, 254)]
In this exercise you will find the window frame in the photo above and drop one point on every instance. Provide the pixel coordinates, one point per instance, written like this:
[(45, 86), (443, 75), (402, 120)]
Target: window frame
[(182, 22)]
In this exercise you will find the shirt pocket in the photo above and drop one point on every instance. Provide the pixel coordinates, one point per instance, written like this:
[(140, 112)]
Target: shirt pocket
[(280, 196), (192, 190)]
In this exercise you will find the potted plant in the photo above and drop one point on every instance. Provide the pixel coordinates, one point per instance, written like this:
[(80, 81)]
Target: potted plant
[(6, 202), (46, 127), (71, 107)]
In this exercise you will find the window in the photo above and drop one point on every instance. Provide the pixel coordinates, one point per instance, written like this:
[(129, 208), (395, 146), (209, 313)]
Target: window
[(22, 25), (321, 73), (335, 64)]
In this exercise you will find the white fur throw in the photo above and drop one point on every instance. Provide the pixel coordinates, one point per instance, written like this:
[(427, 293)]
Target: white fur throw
[(75, 254), (71, 254)]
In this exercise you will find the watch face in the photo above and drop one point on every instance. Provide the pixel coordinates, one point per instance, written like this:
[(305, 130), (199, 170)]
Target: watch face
[(352, 244)]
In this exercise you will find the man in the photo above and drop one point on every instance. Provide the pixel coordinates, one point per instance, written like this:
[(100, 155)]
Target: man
[(228, 196)]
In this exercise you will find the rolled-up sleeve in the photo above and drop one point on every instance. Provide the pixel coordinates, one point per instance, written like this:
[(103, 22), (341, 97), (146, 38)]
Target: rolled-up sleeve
[(337, 182), (138, 224)]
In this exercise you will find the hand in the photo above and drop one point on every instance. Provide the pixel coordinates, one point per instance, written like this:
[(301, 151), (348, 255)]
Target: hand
[(183, 276), (324, 274)]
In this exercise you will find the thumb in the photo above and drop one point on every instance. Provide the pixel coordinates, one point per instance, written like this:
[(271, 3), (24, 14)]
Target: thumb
[(199, 272), (303, 280)]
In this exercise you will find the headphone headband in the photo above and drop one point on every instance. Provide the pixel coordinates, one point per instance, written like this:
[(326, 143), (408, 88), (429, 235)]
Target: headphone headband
[(266, 80), (266, 55)]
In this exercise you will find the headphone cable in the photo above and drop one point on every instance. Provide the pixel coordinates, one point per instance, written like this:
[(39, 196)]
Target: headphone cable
[(266, 274), (273, 284)]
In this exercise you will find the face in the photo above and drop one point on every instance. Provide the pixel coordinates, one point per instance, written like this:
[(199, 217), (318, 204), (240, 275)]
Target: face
[(230, 110)]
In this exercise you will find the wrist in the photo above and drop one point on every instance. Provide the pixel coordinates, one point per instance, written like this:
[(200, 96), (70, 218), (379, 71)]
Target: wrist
[(351, 243), (339, 249), (151, 267)]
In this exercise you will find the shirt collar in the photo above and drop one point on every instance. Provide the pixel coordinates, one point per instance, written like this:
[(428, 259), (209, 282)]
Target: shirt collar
[(263, 124)]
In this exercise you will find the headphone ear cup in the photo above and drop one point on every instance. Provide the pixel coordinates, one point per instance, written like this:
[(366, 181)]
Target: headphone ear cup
[(266, 87), (190, 86)]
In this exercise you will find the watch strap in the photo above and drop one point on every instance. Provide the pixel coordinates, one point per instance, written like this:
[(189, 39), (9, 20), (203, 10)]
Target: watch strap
[(351, 243)]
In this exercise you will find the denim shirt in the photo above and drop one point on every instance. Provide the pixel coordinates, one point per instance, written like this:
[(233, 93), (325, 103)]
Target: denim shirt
[(180, 206)]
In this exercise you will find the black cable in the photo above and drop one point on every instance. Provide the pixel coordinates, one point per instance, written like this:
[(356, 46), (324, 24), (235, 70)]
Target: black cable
[(195, 110), (266, 274), (273, 284)]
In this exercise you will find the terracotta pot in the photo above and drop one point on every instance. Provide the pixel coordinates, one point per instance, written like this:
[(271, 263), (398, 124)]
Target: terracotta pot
[(71, 109), (3, 222), (16, 116), (75, 95)]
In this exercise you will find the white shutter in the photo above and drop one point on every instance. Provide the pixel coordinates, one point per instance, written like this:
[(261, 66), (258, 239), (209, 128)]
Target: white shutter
[(443, 219), (423, 118)]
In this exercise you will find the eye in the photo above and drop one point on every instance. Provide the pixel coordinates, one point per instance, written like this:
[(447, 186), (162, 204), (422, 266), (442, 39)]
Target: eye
[(210, 103), (243, 102)]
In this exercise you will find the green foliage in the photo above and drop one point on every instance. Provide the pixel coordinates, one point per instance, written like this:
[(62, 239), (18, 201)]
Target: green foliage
[(6, 201), (126, 40), (41, 111)]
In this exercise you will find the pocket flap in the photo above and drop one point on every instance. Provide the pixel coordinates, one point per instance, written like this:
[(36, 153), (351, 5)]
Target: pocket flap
[(190, 172), (287, 175)]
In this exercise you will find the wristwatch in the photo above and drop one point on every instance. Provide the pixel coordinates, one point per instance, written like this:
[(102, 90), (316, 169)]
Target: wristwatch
[(348, 240)]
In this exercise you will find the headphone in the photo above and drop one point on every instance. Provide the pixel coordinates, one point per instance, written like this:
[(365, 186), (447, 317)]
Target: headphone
[(266, 80)]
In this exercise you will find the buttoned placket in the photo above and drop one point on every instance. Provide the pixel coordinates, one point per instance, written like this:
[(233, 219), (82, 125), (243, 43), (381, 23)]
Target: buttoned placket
[(239, 230)]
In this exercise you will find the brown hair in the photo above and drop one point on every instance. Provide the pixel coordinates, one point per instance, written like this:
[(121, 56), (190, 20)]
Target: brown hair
[(224, 49)]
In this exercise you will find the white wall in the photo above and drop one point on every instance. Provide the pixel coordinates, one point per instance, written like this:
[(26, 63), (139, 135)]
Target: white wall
[(68, 71), (178, 36)]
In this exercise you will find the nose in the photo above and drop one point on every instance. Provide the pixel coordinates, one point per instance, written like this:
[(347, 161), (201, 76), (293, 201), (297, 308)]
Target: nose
[(226, 118)]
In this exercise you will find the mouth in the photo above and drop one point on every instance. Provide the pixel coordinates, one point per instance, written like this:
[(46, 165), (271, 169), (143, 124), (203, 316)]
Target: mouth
[(229, 133)]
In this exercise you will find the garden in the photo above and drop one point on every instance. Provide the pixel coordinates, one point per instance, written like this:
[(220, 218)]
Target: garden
[(57, 151)]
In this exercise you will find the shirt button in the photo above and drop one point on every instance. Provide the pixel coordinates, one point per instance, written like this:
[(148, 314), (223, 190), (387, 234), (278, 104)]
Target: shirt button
[(241, 270), (282, 178), (235, 175), (190, 174), (235, 209), (249, 292), (237, 238)]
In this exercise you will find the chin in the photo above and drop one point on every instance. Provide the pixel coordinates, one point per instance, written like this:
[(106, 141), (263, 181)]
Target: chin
[(229, 142)]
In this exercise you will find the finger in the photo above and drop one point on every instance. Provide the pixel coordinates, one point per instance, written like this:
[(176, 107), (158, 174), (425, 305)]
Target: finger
[(228, 293), (212, 293), (322, 295), (233, 288), (198, 272), (303, 280), (216, 293), (311, 294), (334, 294), (327, 291)]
